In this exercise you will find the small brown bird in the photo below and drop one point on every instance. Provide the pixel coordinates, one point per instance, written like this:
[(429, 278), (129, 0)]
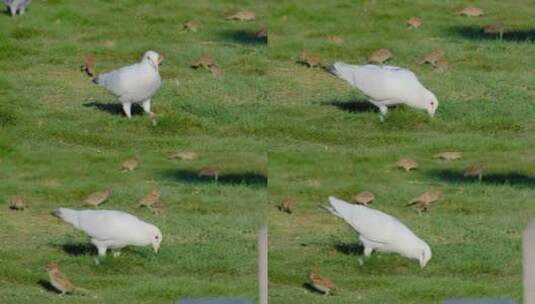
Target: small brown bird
[(414, 22), (449, 155), (262, 33), (433, 57), (150, 199), (207, 62), (425, 200), (60, 281), (287, 205), (407, 164), (314, 183), (309, 59), (471, 11), (335, 39), (96, 198), (17, 203), (209, 172), (474, 170), (184, 155), (130, 165), (495, 28), (242, 16), (380, 56), (321, 284), (364, 198), (190, 26)]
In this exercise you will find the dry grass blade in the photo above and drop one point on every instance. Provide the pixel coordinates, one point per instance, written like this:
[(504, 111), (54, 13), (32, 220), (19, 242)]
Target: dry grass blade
[(471, 11), (242, 16), (184, 155), (449, 155)]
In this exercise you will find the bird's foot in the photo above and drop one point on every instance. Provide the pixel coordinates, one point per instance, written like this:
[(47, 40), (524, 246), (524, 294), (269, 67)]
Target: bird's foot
[(361, 261), (116, 254)]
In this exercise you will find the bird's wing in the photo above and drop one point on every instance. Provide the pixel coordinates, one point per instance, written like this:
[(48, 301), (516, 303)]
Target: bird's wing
[(372, 224), (111, 225), (120, 81), (380, 83)]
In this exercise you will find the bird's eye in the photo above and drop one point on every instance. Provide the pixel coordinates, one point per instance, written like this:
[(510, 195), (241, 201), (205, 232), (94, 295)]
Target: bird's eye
[(156, 237), (432, 103)]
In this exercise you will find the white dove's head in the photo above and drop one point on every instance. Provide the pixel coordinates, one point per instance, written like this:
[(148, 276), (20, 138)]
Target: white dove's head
[(153, 58), (431, 103), (424, 254), (155, 236)]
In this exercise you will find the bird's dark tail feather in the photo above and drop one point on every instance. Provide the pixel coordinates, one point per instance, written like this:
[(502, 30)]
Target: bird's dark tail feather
[(56, 213)]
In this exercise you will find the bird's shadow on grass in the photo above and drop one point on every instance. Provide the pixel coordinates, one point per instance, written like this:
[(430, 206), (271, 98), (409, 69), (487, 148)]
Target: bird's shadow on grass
[(47, 286), (476, 33), (113, 108), (311, 288), (190, 176), (511, 178), (349, 248), (78, 249), (352, 106), (245, 37)]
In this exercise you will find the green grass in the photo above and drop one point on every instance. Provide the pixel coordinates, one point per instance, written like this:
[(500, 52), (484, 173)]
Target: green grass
[(486, 110), (56, 147), (55, 150)]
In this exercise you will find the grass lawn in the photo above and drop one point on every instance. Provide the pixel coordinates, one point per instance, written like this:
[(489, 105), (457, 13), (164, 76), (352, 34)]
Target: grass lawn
[(62, 137), (335, 145)]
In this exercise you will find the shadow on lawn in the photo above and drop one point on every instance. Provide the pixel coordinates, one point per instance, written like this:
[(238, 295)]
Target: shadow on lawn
[(77, 249), (476, 33), (47, 286), (349, 248), (244, 37), (311, 288), (512, 178), (113, 108), (190, 176), (352, 106)]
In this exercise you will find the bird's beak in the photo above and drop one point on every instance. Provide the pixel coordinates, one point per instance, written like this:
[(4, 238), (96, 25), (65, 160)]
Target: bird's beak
[(160, 59), (431, 113), (156, 248)]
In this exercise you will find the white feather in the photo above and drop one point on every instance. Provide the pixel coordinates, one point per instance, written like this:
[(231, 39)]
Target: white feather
[(387, 85), (380, 231), (110, 228)]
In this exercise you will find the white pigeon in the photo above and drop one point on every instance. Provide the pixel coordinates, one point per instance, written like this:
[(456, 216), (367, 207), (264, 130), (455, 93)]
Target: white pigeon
[(380, 231), (112, 229), (17, 6), (386, 86), (134, 84)]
